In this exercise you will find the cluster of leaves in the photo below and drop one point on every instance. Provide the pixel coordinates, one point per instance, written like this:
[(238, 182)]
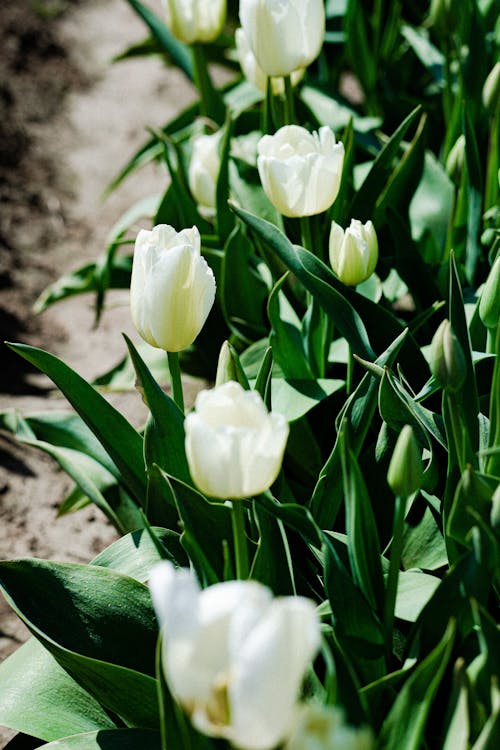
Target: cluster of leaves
[(348, 368)]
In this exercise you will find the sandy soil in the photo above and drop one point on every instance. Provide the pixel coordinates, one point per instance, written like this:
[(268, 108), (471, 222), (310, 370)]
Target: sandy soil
[(70, 121)]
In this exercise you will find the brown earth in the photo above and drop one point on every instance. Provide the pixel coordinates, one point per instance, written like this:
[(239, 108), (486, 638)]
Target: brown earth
[(68, 121)]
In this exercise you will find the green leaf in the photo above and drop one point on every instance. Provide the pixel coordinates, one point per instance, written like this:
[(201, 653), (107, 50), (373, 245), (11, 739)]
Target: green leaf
[(39, 698), (272, 564), (117, 436), (474, 197), (225, 220), (414, 591), (117, 739), (135, 554), (423, 543), (178, 51), (286, 337), (404, 727)]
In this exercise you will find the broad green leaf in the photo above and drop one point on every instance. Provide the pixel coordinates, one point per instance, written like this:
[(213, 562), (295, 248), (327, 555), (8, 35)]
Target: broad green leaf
[(474, 177), (39, 698), (285, 338), (295, 517), (404, 727), (117, 739), (336, 114), (431, 206), (135, 554), (414, 591), (423, 543), (176, 50), (225, 220), (428, 54), (272, 564), (458, 727), (117, 436), (357, 627)]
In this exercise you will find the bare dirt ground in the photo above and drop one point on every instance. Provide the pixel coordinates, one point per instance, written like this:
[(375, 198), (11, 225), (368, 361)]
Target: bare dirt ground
[(68, 121)]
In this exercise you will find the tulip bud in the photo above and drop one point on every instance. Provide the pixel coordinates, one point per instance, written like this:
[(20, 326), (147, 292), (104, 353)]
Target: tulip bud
[(203, 173), (495, 510), (319, 727), (234, 446), (195, 20), (283, 36), (491, 89), (300, 171), (456, 159), (489, 306), (254, 73), (226, 648), (405, 470), (353, 253), (447, 358), (172, 288)]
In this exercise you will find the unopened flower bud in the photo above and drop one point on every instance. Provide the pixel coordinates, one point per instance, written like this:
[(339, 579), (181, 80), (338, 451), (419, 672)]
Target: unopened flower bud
[(406, 469), (456, 159), (195, 20), (489, 306), (353, 252), (491, 89), (495, 510), (447, 358), (203, 173)]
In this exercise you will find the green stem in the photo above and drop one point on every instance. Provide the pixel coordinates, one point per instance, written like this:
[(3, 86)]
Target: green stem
[(493, 461), (175, 379), (305, 232), (289, 101), (211, 104), (457, 430), (350, 368), (394, 565), (240, 540)]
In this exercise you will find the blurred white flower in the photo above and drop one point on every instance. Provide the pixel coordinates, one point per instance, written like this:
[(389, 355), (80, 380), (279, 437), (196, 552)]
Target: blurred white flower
[(203, 173), (254, 73), (172, 288), (318, 727), (234, 446), (234, 657), (195, 20), (284, 35), (300, 171), (353, 252)]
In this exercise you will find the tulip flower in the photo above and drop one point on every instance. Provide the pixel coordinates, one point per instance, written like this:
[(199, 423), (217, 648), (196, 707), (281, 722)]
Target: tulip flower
[(234, 657), (254, 73), (195, 20), (300, 171), (234, 446), (317, 726), (283, 36), (172, 288), (204, 171), (353, 253)]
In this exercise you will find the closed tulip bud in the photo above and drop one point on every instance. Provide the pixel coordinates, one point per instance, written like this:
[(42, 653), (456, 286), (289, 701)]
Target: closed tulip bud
[(254, 73), (489, 306), (318, 727), (405, 470), (172, 288), (495, 510), (300, 171), (353, 253), (234, 446), (447, 358), (491, 89), (195, 20), (283, 36), (456, 159), (203, 173), (234, 657)]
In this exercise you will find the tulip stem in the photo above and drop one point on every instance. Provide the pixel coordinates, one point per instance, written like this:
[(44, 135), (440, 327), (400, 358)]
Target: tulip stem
[(289, 101), (175, 379), (394, 565), (240, 540), (211, 104), (305, 233)]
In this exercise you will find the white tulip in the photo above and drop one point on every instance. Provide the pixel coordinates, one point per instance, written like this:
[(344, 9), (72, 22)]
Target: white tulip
[(254, 73), (233, 656), (300, 171), (234, 446), (353, 253), (203, 173), (172, 288), (195, 20), (284, 35), (318, 727)]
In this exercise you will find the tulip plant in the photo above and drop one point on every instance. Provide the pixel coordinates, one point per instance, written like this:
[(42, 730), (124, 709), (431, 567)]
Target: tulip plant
[(309, 557)]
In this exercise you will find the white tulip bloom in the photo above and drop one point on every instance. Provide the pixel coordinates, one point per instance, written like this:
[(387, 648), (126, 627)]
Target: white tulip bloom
[(254, 73), (172, 288), (203, 173), (233, 656), (353, 253), (324, 727), (234, 446), (300, 171), (195, 20), (284, 35)]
